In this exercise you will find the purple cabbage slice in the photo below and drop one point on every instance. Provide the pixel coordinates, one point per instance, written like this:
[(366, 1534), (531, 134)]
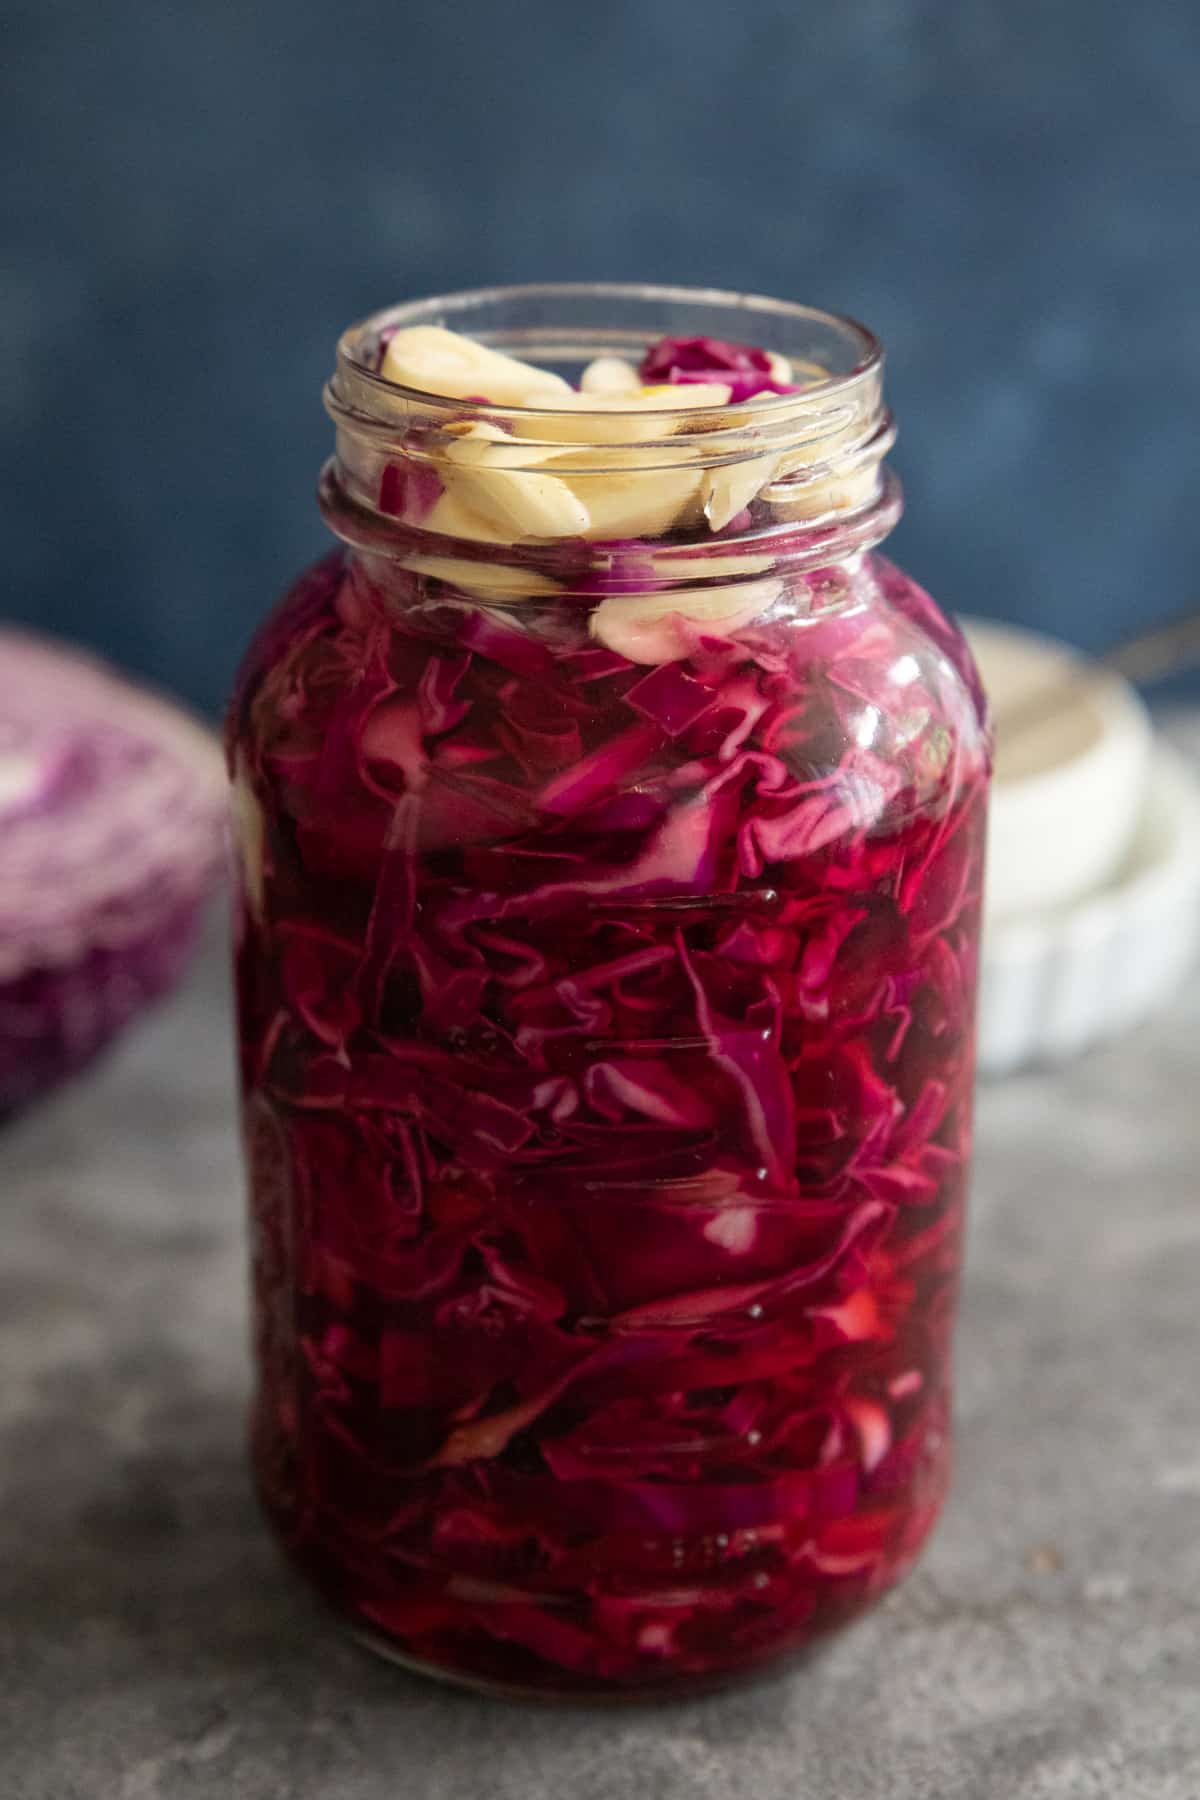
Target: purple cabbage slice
[(745, 369), (112, 808)]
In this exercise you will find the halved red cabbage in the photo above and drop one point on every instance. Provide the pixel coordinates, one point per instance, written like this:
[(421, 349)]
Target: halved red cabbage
[(608, 1060), (112, 807)]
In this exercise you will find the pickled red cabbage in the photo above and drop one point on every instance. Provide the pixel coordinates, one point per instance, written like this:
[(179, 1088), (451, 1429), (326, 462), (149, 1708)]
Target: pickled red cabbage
[(746, 369), (606, 1045)]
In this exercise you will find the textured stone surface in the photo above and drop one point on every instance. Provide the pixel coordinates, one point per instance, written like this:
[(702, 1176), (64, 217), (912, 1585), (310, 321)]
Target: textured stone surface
[(153, 1648)]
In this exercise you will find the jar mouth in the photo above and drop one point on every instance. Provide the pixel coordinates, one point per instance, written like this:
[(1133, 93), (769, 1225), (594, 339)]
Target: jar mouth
[(701, 475), (552, 324)]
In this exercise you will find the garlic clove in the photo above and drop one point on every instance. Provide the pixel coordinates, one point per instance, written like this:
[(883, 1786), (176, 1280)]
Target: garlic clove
[(449, 517), (487, 580), (820, 499), (620, 418), (830, 491), (481, 443), (657, 628), (624, 500), (487, 472), (609, 375), (733, 487), (795, 371), (438, 361)]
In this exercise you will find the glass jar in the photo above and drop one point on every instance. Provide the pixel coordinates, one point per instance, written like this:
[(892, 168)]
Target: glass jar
[(611, 853)]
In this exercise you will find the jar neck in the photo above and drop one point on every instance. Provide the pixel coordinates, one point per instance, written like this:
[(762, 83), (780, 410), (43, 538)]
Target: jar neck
[(605, 500)]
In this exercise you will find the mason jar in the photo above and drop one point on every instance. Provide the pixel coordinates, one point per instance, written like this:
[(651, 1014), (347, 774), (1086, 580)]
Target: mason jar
[(610, 819)]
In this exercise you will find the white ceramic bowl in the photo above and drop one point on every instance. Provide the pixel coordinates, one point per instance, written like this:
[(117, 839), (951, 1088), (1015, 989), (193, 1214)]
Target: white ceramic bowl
[(1059, 980), (1069, 777)]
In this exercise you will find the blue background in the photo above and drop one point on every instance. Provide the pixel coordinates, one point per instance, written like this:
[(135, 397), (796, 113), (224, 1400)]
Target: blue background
[(1005, 189)]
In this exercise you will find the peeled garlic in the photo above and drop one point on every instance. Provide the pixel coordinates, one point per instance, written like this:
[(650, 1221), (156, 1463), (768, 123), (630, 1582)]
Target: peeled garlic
[(624, 500), (444, 362), (733, 487), (814, 500), (487, 472), (589, 491), (491, 581), (657, 628), (609, 375), (449, 517), (800, 370), (623, 426), (588, 479)]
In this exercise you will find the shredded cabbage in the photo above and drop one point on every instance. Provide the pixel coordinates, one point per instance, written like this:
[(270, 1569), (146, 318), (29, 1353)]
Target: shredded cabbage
[(746, 369), (606, 1041)]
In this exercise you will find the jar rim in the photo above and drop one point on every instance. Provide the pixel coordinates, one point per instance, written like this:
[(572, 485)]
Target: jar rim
[(462, 309), (810, 455)]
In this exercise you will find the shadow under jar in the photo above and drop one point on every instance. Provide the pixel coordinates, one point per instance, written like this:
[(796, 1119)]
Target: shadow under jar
[(606, 954)]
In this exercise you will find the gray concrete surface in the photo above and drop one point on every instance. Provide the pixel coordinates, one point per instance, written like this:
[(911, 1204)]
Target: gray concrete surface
[(153, 1648)]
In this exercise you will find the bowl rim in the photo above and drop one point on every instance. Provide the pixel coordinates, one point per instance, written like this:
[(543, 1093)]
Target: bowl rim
[(1172, 802), (1119, 706)]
